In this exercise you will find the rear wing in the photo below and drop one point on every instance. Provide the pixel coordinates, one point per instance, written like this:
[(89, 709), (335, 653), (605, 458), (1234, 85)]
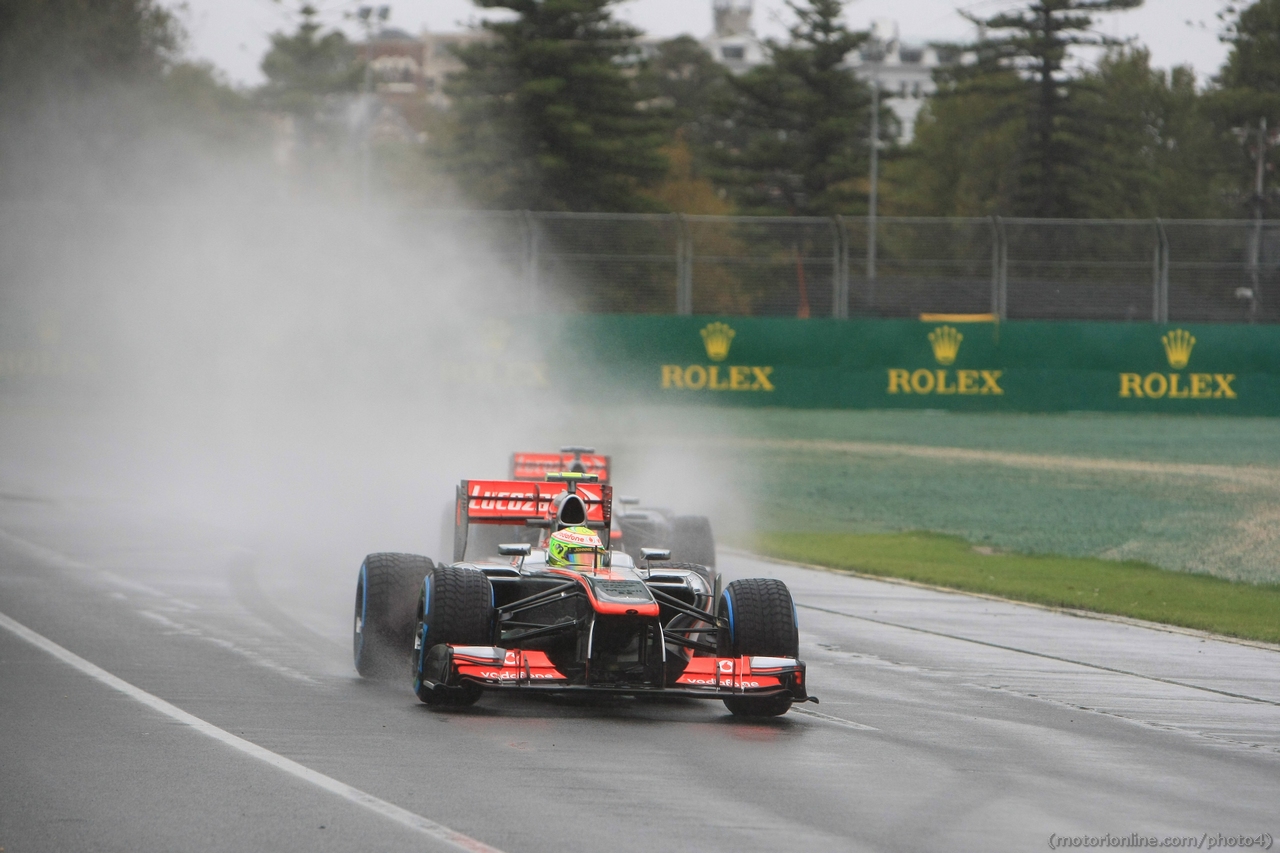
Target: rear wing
[(518, 502), (536, 466)]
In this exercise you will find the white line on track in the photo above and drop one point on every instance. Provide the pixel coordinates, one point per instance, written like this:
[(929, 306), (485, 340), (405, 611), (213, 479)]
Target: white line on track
[(796, 709), (450, 837)]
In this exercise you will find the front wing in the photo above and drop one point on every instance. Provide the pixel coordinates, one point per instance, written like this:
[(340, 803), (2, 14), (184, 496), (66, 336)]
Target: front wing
[(703, 678)]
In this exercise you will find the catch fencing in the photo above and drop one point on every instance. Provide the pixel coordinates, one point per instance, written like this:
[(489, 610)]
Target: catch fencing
[(1129, 270), (1163, 271)]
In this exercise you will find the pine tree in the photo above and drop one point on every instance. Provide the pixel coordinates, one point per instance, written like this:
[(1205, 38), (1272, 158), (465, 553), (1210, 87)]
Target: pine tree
[(681, 82), (545, 113), (1154, 150), (963, 160), (58, 45), (794, 134), (307, 65), (1253, 32), (1148, 146), (1035, 41), (1248, 94)]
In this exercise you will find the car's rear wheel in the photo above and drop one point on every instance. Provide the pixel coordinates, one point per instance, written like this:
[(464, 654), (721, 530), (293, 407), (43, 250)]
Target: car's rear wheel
[(386, 592), (760, 619), (455, 607), (692, 540), (708, 574)]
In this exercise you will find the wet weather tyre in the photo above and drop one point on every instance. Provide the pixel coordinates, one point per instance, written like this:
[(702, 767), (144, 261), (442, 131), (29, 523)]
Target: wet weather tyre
[(760, 619), (692, 540), (455, 607), (386, 595)]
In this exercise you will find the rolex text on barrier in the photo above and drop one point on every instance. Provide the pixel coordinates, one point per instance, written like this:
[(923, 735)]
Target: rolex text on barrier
[(945, 342), (717, 339), (952, 362), (1178, 345)]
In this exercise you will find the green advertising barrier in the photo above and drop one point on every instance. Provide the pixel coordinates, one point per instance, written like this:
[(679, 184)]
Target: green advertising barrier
[(966, 366)]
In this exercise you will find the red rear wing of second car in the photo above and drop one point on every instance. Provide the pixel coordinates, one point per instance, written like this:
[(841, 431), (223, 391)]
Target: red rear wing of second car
[(515, 502), (536, 466)]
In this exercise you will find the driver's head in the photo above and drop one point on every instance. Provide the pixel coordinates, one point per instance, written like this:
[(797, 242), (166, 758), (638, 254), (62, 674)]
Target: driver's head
[(575, 548)]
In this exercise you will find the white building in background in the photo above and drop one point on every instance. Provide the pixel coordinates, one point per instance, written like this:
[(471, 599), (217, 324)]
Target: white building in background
[(905, 70), (733, 42)]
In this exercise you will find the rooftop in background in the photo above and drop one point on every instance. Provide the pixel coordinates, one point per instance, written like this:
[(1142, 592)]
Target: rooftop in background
[(415, 68), (904, 70), (233, 34)]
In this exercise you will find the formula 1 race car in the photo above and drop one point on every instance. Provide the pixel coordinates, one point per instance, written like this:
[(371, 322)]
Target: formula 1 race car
[(687, 537), (518, 623)]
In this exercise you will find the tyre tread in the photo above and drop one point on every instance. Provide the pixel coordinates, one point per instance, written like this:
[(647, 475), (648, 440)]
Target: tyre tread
[(389, 610), (764, 618), (764, 624), (460, 613)]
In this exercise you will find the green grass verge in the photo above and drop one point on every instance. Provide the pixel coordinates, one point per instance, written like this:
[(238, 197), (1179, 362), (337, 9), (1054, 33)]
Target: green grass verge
[(1132, 589)]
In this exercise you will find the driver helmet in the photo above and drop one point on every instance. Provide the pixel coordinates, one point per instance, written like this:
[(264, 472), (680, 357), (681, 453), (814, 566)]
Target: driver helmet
[(575, 548)]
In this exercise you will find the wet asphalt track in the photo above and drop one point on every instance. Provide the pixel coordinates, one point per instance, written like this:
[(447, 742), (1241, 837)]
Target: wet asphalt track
[(947, 723)]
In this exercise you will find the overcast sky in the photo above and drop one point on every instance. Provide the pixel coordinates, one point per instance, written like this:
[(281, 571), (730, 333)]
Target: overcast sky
[(233, 33)]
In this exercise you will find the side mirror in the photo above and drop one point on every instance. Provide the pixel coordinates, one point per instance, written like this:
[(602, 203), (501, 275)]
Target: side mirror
[(519, 549), (655, 554)]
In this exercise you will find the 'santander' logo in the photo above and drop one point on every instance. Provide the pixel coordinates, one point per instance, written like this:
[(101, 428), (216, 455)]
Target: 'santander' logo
[(717, 338), (1197, 386), (946, 344), (945, 341)]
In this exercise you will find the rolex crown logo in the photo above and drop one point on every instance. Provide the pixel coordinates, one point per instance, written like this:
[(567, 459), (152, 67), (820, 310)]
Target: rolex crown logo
[(717, 337), (946, 344), (1177, 346)]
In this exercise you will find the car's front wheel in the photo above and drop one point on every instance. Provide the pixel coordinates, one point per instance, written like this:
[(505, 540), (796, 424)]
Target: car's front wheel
[(382, 628), (455, 607), (759, 618)]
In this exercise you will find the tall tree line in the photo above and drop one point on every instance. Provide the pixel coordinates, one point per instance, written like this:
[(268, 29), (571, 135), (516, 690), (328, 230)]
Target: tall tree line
[(1041, 117), (560, 108)]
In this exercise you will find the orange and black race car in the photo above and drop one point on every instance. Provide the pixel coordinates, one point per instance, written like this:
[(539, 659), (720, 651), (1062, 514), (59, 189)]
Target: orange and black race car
[(687, 537), (503, 619)]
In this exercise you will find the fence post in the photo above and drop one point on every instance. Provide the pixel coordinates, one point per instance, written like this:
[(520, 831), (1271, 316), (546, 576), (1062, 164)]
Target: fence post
[(1004, 270), (1155, 276), (1164, 274), (871, 261), (840, 270), (999, 268), (531, 259), (1160, 276), (684, 266)]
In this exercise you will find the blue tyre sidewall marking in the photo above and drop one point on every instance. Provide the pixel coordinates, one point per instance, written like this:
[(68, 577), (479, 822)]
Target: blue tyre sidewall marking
[(728, 602), (421, 638), (422, 634), (426, 610), (364, 607), (422, 657)]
